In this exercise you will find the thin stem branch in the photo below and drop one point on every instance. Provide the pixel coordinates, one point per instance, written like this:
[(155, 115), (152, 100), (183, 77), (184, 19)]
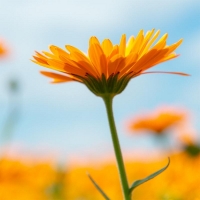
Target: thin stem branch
[(124, 183)]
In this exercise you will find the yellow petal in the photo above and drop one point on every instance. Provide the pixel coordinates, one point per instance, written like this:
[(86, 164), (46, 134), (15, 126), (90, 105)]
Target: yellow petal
[(93, 40), (53, 49), (161, 43), (145, 41), (122, 45), (151, 42), (129, 45), (137, 43), (107, 47), (49, 55)]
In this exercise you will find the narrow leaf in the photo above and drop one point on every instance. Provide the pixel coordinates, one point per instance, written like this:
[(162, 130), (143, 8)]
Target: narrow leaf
[(98, 188), (139, 182)]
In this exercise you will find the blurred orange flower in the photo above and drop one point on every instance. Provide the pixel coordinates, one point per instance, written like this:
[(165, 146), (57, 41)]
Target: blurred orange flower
[(3, 49), (108, 68), (157, 121), (40, 181), (22, 181), (190, 144)]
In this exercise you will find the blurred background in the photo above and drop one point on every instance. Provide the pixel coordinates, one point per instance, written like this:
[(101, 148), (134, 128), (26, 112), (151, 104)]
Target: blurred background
[(53, 134)]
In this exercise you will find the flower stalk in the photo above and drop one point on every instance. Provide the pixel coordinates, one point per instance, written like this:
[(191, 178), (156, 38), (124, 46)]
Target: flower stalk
[(108, 99)]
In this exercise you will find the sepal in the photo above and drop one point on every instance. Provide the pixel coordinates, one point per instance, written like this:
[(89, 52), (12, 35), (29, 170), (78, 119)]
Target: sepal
[(101, 86)]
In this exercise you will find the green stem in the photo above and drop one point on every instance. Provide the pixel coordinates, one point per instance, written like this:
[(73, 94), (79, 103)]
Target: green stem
[(108, 103)]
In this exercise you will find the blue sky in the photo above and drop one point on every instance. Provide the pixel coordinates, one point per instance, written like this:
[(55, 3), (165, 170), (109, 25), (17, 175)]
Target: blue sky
[(67, 120)]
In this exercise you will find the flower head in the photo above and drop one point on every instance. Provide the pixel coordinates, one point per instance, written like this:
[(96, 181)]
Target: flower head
[(107, 68), (157, 121)]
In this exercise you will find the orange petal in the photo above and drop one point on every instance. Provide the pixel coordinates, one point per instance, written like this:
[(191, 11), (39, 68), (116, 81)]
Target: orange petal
[(73, 68), (58, 78), (114, 51), (129, 61), (166, 58), (155, 59), (66, 65), (82, 61), (40, 60), (113, 64), (56, 64), (161, 43), (143, 60), (98, 58), (70, 67), (39, 63), (40, 55), (174, 46)]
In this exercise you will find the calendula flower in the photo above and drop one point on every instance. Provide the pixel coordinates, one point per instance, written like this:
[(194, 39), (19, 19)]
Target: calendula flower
[(108, 68), (106, 71), (157, 121)]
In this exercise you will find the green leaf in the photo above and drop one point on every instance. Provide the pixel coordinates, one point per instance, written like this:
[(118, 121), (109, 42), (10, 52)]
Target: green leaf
[(98, 188), (139, 182)]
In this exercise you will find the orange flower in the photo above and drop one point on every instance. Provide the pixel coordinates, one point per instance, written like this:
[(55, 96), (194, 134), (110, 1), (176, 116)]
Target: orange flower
[(107, 68), (158, 121), (3, 49)]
